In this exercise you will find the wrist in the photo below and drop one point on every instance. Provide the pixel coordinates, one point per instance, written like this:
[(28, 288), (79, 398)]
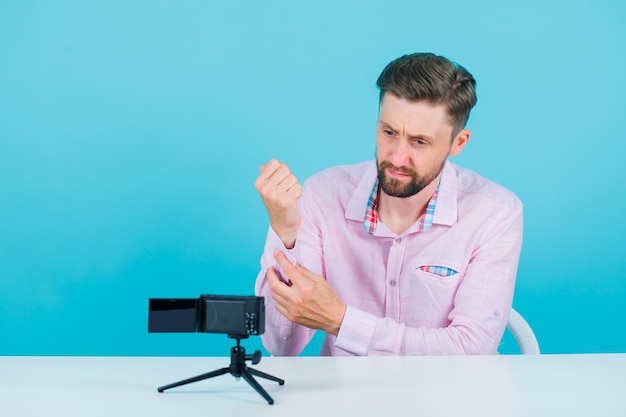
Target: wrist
[(288, 237), (336, 326)]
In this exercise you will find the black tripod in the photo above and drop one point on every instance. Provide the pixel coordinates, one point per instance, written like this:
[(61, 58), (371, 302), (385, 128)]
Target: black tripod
[(237, 369)]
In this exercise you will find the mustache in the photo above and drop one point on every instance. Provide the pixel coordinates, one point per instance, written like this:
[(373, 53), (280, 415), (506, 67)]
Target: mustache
[(403, 170)]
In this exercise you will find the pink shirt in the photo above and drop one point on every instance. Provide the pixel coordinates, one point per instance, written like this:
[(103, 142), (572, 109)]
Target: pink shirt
[(396, 307)]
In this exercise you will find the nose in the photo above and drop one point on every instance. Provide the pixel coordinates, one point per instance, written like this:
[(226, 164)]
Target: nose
[(400, 154)]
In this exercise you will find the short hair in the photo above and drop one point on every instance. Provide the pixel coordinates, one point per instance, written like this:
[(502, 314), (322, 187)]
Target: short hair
[(434, 79)]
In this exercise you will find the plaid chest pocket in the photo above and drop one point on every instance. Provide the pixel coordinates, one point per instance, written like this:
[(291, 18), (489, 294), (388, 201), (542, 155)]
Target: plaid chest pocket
[(441, 271)]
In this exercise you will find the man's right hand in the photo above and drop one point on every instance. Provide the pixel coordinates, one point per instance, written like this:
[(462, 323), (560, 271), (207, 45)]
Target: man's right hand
[(279, 189)]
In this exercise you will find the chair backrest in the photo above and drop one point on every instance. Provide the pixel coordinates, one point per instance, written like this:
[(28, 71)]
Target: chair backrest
[(523, 334)]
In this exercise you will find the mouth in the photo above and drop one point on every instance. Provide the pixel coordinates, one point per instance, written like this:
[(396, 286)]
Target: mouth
[(397, 174)]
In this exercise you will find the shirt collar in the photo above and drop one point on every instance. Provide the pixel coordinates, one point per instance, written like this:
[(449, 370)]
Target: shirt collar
[(445, 211)]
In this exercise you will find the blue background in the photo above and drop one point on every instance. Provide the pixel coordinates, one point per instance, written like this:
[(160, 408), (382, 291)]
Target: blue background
[(131, 134)]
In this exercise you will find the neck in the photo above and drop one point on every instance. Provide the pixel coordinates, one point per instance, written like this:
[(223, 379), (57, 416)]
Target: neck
[(399, 214)]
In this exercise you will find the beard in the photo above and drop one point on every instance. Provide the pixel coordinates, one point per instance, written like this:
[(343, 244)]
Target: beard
[(396, 188)]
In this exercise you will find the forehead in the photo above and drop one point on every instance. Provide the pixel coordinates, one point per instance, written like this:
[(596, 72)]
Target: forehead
[(419, 117)]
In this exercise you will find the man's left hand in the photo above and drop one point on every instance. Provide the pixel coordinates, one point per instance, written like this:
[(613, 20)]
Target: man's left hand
[(308, 300)]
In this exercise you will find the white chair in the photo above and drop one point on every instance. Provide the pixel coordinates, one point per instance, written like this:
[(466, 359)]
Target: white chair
[(523, 334)]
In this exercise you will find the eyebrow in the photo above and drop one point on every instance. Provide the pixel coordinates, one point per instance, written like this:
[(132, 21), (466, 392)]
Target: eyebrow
[(415, 136)]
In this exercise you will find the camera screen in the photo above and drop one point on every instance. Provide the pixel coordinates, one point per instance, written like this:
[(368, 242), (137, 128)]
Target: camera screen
[(173, 315), (224, 316)]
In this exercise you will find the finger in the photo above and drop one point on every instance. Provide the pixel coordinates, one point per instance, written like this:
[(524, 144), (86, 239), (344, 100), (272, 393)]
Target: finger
[(280, 292), (288, 192), (275, 169), (305, 272), (267, 169), (281, 175), (272, 163), (276, 180), (285, 182), (276, 283), (280, 306), (298, 270), (284, 262), (288, 268)]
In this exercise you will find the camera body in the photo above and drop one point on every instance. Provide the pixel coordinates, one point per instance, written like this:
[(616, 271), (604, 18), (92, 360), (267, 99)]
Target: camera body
[(230, 314)]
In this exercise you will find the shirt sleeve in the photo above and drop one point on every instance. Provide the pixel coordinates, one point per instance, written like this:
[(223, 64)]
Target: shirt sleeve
[(481, 305), (281, 337)]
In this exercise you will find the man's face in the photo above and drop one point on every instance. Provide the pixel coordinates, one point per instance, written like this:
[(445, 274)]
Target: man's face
[(413, 142)]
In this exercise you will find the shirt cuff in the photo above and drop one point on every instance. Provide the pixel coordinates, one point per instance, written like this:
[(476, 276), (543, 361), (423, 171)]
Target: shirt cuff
[(273, 242), (356, 332)]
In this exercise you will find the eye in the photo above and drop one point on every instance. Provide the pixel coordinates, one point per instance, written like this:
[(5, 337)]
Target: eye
[(388, 132), (419, 142)]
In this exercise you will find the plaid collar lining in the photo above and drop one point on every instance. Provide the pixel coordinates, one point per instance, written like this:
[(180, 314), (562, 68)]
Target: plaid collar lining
[(371, 212)]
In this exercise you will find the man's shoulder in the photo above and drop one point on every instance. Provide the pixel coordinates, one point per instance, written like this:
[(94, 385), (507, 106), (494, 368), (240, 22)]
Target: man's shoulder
[(472, 185)]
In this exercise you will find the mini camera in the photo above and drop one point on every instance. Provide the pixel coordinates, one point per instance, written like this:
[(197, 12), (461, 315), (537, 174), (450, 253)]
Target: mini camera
[(233, 315)]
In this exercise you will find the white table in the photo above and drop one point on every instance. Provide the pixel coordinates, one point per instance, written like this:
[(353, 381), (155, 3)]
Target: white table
[(506, 385)]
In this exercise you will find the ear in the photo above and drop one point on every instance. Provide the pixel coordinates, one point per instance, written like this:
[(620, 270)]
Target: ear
[(459, 142)]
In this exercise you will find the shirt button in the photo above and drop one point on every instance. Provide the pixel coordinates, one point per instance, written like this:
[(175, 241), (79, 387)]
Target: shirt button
[(398, 239), (392, 283)]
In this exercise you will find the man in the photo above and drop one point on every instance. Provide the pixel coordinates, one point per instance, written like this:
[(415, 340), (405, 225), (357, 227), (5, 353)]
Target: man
[(406, 255)]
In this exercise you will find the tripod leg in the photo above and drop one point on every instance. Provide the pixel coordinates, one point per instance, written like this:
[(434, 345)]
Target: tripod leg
[(250, 379), (266, 376), (208, 375)]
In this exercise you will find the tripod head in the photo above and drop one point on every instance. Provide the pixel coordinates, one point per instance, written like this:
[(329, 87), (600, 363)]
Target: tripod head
[(238, 353)]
